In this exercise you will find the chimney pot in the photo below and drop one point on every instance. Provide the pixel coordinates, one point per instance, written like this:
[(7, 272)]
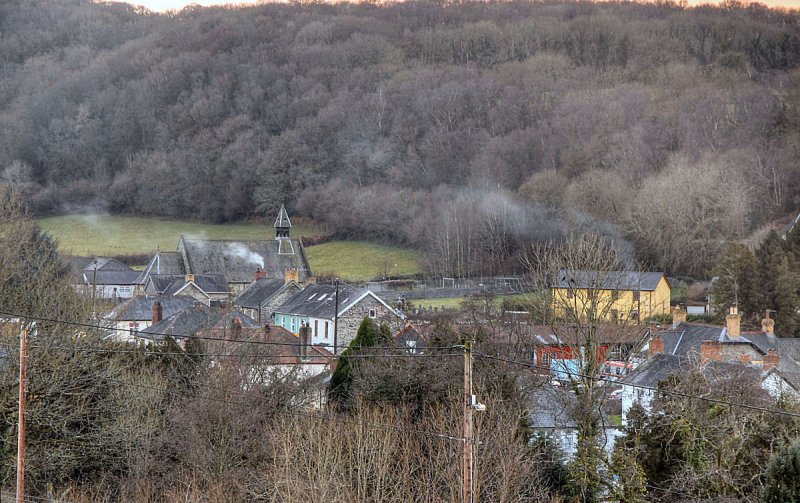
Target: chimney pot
[(157, 312), (190, 278), (305, 330)]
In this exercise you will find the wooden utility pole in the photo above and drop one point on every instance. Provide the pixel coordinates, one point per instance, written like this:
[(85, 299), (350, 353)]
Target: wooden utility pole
[(467, 491), (336, 320), (23, 357)]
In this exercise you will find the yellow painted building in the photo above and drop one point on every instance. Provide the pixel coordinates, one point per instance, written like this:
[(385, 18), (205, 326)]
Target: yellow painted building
[(614, 296)]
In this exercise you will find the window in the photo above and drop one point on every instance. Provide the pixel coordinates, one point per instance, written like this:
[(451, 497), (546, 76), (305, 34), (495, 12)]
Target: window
[(326, 329), (373, 313), (570, 294), (546, 356), (292, 325), (637, 295), (316, 328)]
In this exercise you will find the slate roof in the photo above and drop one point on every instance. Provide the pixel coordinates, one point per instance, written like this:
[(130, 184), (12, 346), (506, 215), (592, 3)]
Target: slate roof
[(659, 367), (656, 369), (552, 408), (611, 280), (161, 282), (410, 337), (141, 308), (208, 283), (239, 260), (319, 301), (684, 339), (261, 291), (162, 263), (186, 322), (224, 321), (108, 271)]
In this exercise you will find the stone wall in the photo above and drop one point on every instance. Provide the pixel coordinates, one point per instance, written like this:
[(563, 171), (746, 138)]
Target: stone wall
[(271, 305), (351, 320)]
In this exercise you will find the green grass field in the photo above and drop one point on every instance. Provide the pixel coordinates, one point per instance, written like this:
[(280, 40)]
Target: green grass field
[(115, 235), (360, 261), (455, 302)]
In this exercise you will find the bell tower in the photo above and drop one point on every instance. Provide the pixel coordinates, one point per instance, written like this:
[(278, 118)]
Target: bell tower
[(283, 228)]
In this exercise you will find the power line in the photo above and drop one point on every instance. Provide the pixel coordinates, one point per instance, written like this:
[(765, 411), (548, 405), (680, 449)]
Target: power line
[(236, 355), (199, 337), (650, 388)]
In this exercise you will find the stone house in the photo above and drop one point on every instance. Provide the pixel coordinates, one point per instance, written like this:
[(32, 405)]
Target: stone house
[(315, 306), (261, 298)]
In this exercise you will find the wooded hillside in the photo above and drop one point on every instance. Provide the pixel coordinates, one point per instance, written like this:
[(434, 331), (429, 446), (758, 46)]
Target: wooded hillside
[(463, 130)]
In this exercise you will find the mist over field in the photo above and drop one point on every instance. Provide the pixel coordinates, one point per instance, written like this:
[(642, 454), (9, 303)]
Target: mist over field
[(464, 131)]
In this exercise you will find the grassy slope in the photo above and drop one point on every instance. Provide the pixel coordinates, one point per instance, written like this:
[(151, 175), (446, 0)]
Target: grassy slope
[(115, 235), (455, 302), (359, 261)]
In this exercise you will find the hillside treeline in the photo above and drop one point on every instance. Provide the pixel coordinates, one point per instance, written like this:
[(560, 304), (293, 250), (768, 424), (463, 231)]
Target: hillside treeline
[(463, 130)]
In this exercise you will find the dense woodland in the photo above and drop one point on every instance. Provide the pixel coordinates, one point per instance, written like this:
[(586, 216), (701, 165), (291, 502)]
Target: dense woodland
[(465, 130)]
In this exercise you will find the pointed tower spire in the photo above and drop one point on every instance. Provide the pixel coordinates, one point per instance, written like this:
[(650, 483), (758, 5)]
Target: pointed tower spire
[(283, 229)]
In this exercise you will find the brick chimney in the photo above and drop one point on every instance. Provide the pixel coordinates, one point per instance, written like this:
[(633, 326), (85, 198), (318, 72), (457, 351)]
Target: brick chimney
[(768, 325), (305, 340), (656, 345), (771, 359), (292, 274), (189, 278), (710, 350), (236, 329), (678, 316), (158, 312), (260, 274), (734, 322)]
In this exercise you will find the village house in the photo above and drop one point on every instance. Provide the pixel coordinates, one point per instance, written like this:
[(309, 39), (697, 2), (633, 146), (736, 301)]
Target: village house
[(315, 306), (262, 297), (104, 278), (235, 260), (412, 338), (552, 414), (162, 264), (200, 320), (676, 349), (618, 296), (561, 350), (139, 313), (208, 289)]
